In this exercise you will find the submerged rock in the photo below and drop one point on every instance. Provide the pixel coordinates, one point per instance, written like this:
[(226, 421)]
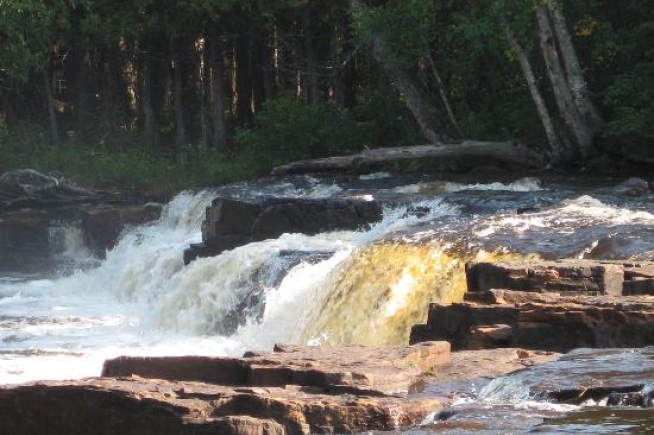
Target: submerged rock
[(633, 186), (230, 223), (611, 377)]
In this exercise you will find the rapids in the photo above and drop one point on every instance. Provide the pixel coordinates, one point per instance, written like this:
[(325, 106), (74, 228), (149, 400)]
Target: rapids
[(349, 287)]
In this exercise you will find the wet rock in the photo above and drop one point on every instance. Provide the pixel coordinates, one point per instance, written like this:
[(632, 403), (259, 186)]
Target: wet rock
[(633, 186), (231, 223), (641, 399), (566, 275), (294, 390), (103, 224), (23, 240), (639, 279), (546, 321), (149, 406), (356, 370), (528, 209), (617, 377)]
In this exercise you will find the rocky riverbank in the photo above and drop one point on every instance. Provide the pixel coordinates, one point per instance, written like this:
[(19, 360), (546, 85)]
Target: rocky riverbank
[(36, 208), (293, 390)]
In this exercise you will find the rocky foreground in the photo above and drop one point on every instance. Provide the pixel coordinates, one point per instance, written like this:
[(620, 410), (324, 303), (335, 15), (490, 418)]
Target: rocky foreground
[(294, 390)]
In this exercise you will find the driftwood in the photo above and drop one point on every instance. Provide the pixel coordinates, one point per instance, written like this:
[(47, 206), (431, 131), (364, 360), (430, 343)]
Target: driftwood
[(502, 152)]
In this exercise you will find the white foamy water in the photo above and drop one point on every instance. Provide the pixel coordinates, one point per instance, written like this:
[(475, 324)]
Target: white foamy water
[(570, 215), (527, 184), (141, 300)]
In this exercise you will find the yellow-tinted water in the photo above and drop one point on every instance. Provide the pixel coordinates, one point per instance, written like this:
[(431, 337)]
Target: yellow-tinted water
[(384, 289)]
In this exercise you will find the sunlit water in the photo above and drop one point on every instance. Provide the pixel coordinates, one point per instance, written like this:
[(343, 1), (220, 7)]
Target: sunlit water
[(367, 286)]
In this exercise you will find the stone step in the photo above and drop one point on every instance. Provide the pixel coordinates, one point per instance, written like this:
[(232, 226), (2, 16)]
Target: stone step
[(355, 369), (543, 321)]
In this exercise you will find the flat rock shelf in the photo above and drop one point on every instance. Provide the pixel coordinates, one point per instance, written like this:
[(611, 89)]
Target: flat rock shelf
[(293, 390), (556, 306)]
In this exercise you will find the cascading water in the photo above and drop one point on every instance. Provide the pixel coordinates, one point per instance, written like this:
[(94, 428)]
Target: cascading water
[(365, 287)]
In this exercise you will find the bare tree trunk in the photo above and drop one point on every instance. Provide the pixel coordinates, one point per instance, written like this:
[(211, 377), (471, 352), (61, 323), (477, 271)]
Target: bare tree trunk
[(415, 99), (146, 98), (311, 91), (442, 93), (203, 85), (257, 68), (52, 116), (560, 87), (82, 72), (270, 79), (178, 100), (108, 89), (218, 98), (346, 77), (573, 71), (243, 79), (557, 148)]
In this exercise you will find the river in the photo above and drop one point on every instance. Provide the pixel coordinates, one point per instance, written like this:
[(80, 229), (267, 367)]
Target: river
[(365, 287)]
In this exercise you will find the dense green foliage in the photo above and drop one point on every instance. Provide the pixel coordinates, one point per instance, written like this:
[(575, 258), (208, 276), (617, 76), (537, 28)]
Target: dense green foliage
[(205, 91)]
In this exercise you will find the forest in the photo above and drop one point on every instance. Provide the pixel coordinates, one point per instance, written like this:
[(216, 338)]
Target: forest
[(158, 93)]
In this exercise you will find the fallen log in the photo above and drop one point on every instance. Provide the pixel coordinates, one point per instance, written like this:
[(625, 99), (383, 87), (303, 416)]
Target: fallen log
[(510, 153)]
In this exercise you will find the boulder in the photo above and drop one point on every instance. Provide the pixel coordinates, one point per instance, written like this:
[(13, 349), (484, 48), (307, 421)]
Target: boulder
[(230, 223), (102, 224), (633, 186)]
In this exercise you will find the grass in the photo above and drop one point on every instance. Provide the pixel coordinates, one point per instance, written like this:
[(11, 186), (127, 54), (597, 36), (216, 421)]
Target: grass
[(136, 168)]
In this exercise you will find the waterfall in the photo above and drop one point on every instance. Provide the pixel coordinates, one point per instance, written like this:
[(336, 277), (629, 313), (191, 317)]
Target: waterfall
[(345, 287)]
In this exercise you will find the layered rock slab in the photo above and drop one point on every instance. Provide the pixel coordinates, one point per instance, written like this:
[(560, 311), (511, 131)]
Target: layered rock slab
[(294, 390), (569, 275), (555, 306), (350, 369), (139, 406), (505, 318), (615, 278), (230, 223)]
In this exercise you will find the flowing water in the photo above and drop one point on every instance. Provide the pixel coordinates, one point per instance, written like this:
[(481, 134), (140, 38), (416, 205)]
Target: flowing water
[(366, 287)]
